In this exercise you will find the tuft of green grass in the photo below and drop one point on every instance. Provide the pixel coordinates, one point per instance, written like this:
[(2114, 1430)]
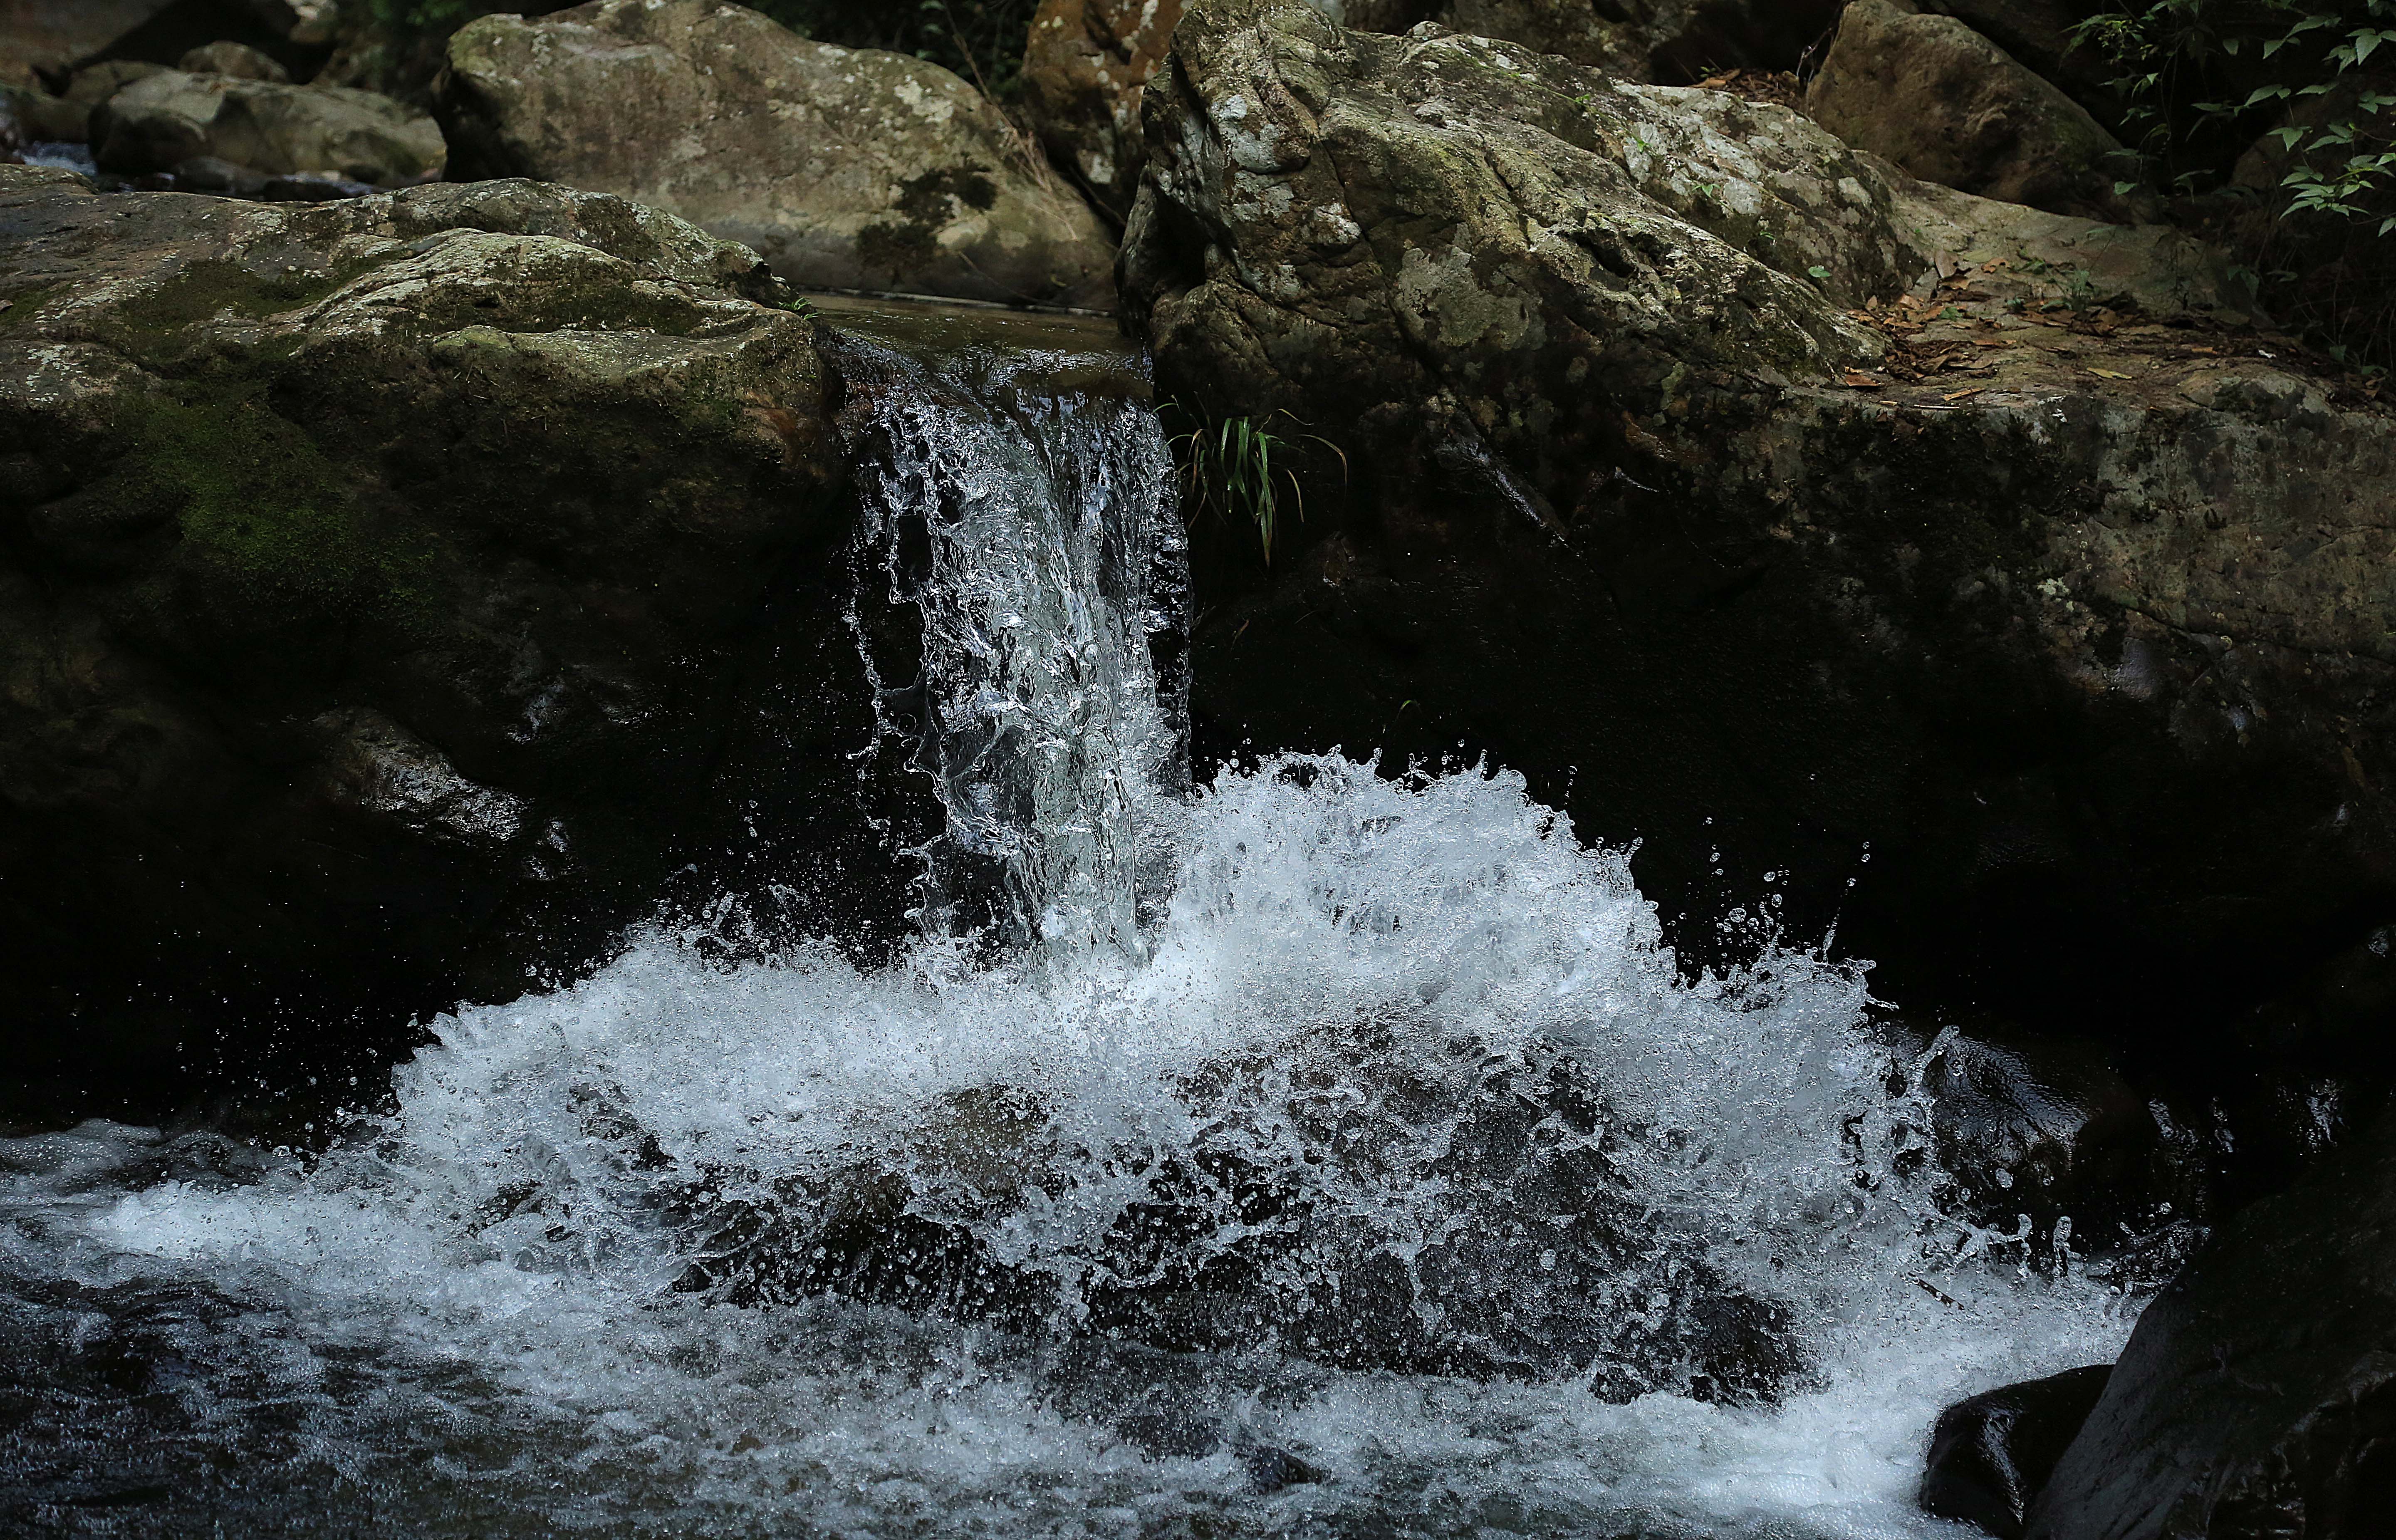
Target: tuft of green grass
[(1233, 469)]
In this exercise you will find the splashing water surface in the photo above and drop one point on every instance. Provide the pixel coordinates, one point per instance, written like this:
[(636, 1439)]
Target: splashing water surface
[(1327, 1154)]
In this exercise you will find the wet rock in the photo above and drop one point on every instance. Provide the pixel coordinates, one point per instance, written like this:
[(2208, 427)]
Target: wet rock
[(2257, 1396), (844, 168), (208, 174), (1809, 523), (1932, 95), (172, 116), (236, 60), (1296, 1215), (392, 590), (1992, 1454), (1083, 70), (2051, 1130)]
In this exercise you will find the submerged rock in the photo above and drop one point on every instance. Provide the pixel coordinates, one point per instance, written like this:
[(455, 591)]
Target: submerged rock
[(1992, 1454), (1952, 107), (1806, 523), (271, 127), (390, 590), (1367, 1199), (2257, 1396), (844, 168)]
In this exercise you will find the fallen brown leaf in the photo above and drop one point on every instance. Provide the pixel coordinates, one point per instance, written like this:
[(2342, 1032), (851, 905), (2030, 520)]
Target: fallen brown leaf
[(1861, 381)]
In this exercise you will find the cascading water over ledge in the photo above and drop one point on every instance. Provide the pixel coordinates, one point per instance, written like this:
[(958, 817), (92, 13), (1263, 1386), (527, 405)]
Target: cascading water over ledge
[(1309, 1151)]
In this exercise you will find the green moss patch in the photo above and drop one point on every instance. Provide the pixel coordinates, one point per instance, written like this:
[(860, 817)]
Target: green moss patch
[(263, 511)]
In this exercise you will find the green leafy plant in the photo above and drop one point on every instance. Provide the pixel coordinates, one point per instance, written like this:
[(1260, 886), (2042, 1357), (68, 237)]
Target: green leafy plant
[(2309, 86), (1240, 470), (2203, 78)]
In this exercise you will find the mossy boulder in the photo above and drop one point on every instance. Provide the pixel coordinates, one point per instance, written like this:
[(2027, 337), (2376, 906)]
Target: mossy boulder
[(844, 168), (390, 594), (1972, 578)]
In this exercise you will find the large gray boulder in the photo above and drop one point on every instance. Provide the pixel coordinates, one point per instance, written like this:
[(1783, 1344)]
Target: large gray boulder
[(1947, 105), (165, 119), (844, 168), (1776, 510), (391, 594)]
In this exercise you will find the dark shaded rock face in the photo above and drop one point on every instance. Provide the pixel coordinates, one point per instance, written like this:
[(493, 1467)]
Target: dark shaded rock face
[(1991, 1455), (392, 593), (1952, 107), (2257, 1396), (2054, 665), (2050, 1132), (1085, 66)]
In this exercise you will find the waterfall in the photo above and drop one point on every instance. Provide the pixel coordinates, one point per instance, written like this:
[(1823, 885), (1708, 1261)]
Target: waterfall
[(1019, 503), (1311, 1151)]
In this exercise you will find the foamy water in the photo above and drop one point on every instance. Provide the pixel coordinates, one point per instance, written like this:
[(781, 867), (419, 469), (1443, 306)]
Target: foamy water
[(492, 1271)]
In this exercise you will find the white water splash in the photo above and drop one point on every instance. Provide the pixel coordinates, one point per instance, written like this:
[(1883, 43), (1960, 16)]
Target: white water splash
[(1323, 1154), (523, 1217)]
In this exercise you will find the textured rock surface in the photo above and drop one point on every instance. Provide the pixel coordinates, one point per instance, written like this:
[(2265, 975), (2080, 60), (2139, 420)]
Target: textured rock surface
[(1085, 67), (2257, 1396), (844, 168), (1992, 1454), (1952, 107), (163, 119), (388, 601), (1677, 476), (1088, 61)]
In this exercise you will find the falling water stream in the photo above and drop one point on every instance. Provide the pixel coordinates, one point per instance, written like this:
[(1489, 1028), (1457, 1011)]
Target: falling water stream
[(1312, 1151)]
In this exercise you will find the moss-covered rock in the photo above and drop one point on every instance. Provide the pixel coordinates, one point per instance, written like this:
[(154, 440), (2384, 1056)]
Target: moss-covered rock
[(1791, 516), (385, 590)]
